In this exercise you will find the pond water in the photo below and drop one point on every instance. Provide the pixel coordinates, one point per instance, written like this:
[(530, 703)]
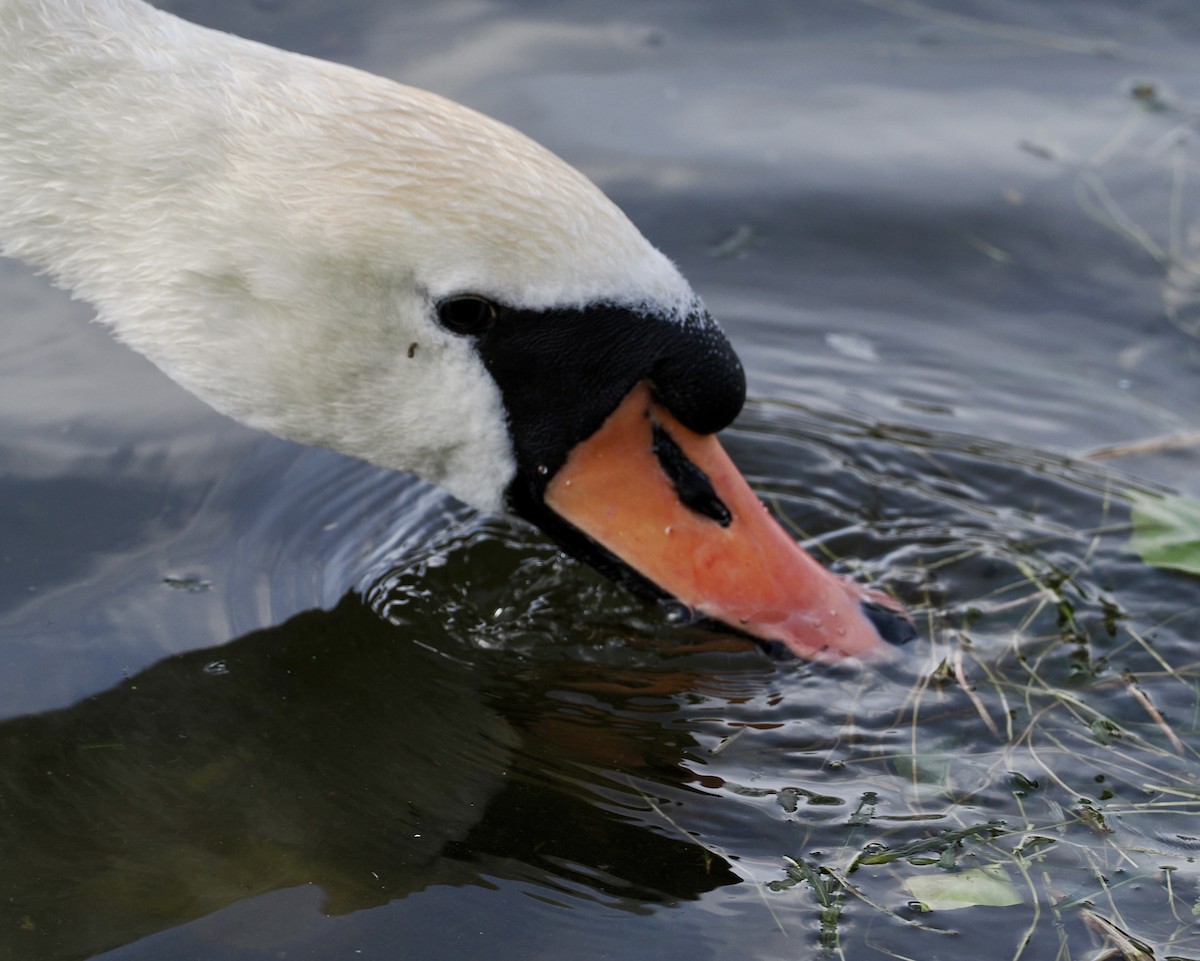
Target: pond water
[(263, 702)]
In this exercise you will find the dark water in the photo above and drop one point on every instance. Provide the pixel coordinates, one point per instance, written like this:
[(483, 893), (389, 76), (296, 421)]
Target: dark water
[(261, 702)]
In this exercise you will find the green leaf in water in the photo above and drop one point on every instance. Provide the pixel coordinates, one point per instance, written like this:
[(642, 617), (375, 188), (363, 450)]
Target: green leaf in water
[(1103, 730), (1166, 531), (988, 886)]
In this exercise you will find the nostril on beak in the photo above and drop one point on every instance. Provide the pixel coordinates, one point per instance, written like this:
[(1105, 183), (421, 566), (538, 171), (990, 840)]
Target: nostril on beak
[(692, 486)]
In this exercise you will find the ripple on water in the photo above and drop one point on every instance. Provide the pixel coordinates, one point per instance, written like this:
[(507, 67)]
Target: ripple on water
[(461, 656), (1034, 703)]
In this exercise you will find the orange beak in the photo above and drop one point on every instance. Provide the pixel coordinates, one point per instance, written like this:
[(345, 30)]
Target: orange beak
[(670, 503)]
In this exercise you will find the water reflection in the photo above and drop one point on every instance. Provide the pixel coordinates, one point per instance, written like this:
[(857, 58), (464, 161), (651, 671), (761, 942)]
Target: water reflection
[(332, 751), (491, 717)]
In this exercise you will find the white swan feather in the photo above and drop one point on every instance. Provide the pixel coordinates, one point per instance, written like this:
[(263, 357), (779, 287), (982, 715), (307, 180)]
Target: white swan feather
[(273, 231)]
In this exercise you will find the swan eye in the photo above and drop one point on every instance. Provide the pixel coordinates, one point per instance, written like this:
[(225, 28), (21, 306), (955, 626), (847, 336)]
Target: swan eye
[(466, 315)]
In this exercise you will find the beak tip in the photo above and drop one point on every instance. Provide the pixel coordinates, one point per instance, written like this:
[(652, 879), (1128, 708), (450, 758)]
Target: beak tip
[(874, 630), (893, 625)]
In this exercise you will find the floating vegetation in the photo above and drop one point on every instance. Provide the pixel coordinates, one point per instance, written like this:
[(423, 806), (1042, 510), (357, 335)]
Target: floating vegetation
[(1038, 786), (190, 585), (1166, 532), (1108, 859)]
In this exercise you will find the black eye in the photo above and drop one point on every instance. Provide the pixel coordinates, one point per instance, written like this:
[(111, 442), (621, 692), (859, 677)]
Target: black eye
[(466, 315)]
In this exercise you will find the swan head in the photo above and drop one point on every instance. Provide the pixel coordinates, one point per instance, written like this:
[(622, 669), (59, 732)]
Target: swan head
[(351, 263)]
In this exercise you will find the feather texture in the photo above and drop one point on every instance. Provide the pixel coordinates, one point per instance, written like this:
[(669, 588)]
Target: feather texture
[(274, 231)]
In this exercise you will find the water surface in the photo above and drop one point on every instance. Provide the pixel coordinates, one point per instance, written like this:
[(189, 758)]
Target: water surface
[(261, 701)]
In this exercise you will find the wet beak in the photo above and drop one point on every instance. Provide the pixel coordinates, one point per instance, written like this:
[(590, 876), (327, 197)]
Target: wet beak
[(669, 503)]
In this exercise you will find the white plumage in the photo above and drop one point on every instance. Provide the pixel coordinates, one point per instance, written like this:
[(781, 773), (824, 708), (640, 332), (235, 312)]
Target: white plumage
[(273, 231)]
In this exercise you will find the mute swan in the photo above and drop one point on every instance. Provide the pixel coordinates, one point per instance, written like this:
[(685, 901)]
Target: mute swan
[(348, 262)]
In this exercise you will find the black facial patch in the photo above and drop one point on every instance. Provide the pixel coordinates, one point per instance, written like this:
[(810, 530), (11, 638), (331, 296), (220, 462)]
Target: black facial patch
[(692, 486), (562, 372)]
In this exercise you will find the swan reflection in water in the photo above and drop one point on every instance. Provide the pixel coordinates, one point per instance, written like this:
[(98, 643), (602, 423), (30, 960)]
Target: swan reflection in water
[(331, 750)]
